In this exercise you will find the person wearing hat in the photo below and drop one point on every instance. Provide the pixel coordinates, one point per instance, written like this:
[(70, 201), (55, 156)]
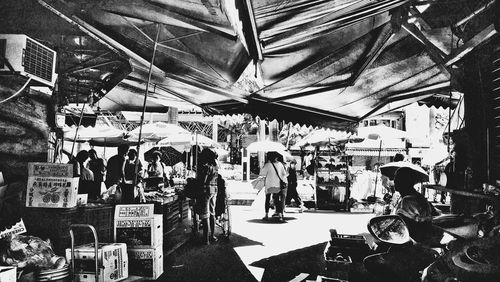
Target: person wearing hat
[(292, 186), (157, 168)]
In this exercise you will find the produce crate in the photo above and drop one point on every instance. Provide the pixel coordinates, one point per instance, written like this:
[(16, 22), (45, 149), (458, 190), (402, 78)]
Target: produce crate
[(337, 267), (54, 224), (354, 246), (174, 210)]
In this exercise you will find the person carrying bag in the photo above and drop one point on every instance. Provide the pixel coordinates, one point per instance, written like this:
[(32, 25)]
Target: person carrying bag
[(275, 184)]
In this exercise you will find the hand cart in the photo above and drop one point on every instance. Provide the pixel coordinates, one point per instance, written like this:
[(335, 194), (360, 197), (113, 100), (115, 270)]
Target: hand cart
[(96, 249)]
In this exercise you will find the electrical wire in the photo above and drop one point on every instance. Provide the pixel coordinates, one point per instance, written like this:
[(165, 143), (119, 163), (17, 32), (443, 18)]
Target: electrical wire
[(18, 92)]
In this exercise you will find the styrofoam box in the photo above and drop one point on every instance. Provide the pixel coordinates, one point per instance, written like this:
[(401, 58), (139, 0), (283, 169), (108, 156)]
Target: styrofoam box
[(8, 274), (112, 257), (52, 192), (138, 226), (146, 262)]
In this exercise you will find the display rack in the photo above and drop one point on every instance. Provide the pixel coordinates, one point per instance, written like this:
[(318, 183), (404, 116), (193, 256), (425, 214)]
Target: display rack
[(333, 186)]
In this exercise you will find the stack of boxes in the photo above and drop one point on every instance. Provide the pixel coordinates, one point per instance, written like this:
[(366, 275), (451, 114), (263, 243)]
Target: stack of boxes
[(142, 231)]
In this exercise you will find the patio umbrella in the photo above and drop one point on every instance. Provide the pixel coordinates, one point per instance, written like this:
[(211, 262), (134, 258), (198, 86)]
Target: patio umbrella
[(183, 142), (322, 137), (390, 169), (269, 146), (265, 146), (158, 130)]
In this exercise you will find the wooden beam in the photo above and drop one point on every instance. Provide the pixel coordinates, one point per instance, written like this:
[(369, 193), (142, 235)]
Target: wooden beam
[(414, 12), (475, 13), (434, 52), (253, 32), (468, 46)]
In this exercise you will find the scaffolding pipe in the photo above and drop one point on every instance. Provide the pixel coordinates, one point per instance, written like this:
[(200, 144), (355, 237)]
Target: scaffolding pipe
[(144, 104)]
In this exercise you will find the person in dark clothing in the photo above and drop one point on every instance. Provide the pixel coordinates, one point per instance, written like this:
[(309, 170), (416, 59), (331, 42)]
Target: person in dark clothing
[(98, 168), (86, 182), (207, 174), (115, 173), (129, 175), (292, 187)]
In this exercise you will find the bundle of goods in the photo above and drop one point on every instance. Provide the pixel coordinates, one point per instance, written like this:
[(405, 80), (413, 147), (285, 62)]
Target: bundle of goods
[(142, 231), (32, 255)]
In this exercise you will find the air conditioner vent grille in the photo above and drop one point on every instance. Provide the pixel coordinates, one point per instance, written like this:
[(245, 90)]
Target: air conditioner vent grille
[(38, 60)]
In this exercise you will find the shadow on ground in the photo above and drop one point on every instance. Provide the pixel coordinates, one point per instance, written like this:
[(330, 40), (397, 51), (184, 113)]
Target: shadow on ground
[(286, 266), (216, 262), (272, 220)]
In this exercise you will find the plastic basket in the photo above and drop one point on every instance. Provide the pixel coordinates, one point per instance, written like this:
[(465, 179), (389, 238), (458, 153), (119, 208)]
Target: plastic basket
[(54, 223)]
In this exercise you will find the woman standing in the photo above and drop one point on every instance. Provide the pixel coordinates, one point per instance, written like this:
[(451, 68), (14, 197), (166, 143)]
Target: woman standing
[(275, 172), (207, 175)]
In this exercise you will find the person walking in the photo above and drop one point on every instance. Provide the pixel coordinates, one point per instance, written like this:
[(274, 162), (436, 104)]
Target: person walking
[(114, 168), (292, 187), (274, 172), (98, 168), (207, 175)]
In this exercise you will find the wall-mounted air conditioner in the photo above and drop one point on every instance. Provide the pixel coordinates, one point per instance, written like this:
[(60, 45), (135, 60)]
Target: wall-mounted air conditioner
[(28, 57)]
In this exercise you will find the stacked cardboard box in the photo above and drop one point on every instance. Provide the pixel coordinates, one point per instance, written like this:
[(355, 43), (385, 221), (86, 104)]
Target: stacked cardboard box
[(142, 231), (112, 260), (51, 185)]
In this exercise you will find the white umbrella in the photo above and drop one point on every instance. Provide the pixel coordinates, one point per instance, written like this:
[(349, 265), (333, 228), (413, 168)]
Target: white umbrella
[(265, 146), (183, 142), (88, 133), (381, 132), (158, 130), (390, 169), (269, 146)]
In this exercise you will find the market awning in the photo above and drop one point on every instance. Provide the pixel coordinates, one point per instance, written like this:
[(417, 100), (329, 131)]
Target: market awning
[(323, 63)]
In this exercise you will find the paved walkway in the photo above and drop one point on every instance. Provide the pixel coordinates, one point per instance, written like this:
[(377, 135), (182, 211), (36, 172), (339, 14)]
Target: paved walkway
[(263, 251)]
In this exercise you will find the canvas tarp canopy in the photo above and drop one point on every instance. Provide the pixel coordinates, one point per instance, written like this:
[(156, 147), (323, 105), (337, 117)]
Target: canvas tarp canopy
[(323, 63)]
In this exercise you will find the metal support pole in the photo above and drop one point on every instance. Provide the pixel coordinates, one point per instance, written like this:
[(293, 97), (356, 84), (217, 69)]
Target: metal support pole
[(376, 173), (145, 100), (76, 132)]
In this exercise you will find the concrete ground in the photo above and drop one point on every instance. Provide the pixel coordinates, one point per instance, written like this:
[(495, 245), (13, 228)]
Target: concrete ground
[(263, 251)]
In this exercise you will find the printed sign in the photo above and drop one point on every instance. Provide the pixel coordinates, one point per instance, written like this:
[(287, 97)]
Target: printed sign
[(139, 232), (52, 192), (134, 211), (146, 262), (18, 228), (50, 169)]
